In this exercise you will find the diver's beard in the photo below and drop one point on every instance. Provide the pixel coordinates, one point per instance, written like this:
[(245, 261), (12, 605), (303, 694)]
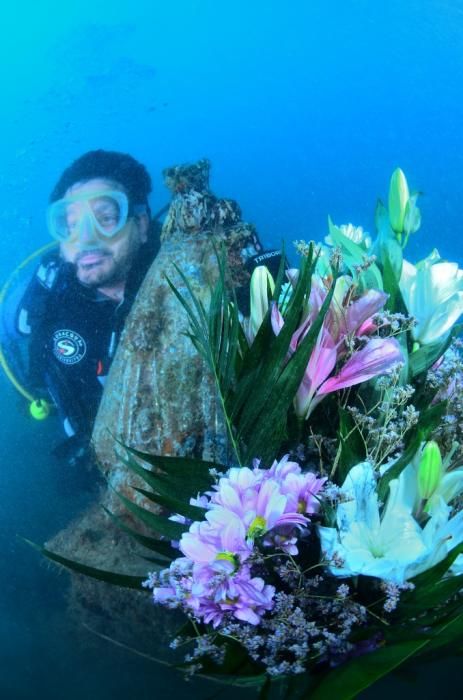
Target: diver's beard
[(103, 274)]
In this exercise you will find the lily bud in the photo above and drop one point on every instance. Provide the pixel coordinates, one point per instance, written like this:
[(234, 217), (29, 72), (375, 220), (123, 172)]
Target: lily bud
[(429, 470), (398, 199), (261, 281)]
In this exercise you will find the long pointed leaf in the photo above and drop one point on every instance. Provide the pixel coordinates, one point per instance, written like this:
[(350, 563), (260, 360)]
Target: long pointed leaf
[(159, 546), (158, 523), (185, 485), (178, 465), (174, 505), (430, 577), (434, 596), (421, 360), (348, 680), (447, 634), (263, 363), (123, 580)]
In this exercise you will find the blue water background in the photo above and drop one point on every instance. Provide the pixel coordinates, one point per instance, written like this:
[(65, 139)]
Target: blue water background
[(304, 109)]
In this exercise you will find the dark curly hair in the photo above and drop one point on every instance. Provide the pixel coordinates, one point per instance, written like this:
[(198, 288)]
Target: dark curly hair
[(111, 165)]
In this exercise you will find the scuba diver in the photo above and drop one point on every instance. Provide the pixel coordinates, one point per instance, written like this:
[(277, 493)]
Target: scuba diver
[(74, 308), (73, 311)]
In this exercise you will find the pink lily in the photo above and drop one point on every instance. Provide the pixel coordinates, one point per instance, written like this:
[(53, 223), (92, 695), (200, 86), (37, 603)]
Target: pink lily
[(343, 319), (322, 362), (377, 357), (356, 318), (361, 311)]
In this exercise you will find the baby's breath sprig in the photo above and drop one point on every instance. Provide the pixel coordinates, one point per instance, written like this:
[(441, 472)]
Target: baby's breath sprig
[(382, 427)]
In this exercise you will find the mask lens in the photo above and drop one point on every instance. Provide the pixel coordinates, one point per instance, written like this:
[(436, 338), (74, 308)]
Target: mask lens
[(59, 223), (108, 212)]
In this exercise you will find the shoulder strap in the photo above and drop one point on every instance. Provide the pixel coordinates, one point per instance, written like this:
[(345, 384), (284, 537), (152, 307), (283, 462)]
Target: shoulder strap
[(50, 278)]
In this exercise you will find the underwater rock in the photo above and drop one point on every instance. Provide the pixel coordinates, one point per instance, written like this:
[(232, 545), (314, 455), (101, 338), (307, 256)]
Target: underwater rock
[(120, 615)]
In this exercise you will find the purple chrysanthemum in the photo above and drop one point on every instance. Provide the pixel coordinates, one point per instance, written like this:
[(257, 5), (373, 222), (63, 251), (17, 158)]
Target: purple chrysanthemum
[(214, 576)]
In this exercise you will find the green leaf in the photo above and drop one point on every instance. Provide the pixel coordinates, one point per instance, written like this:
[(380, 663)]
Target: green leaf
[(428, 620), (159, 546), (223, 329), (158, 523), (428, 578), (244, 681), (389, 253), (392, 252), (148, 476), (160, 562), (174, 505), (391, 262), (196, 313), (353, 256), (183, 475), (449, 633), (163, 484), (264, 693), (371, 278), (412, 218), (349, 248), (177, 465), (212, 334), (261, 368), (123, 580), (347, 681), (434, 596), (262, 364), (423, 358)]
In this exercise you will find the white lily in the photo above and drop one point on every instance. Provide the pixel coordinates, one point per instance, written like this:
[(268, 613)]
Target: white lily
[(433, 293), (261, 284), (391, 546)]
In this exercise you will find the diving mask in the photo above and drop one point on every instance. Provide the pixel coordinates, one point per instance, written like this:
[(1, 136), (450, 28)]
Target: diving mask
[(106, 212)]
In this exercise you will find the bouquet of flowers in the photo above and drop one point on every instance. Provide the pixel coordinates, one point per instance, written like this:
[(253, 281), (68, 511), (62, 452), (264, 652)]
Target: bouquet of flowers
[(327, 550)]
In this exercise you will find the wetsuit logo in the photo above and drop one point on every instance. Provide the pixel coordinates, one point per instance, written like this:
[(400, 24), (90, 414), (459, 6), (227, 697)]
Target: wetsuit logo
[(68, 346)]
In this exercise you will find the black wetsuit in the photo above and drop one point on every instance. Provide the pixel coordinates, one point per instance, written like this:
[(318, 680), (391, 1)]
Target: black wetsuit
[(74, 331)]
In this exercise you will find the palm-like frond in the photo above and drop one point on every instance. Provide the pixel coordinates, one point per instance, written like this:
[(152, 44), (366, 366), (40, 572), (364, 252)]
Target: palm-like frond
[(257, 383)]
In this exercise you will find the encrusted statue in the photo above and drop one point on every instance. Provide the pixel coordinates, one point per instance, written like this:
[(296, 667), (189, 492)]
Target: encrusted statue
[(159, 397)]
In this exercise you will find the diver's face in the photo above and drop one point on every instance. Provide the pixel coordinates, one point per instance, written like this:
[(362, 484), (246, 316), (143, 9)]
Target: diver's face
[(101, 261)]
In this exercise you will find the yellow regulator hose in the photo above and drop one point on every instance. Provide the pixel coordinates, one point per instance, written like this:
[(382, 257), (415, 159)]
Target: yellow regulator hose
[(38, 408)]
